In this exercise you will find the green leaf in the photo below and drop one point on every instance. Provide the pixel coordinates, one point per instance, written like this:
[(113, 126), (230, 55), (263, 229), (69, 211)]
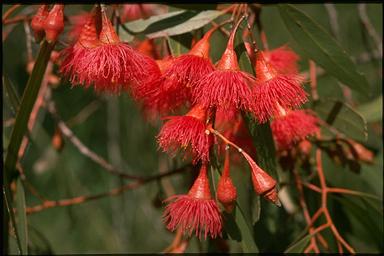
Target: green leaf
[(190, 24), (8, 213), (11, 93), (263, 141), (179, 44), (242, 55), (26, 105), (299, 246), (198, 7), (342, 117), (21, 217), (158, 22), (320, 46), (372, 111), (239, 229)]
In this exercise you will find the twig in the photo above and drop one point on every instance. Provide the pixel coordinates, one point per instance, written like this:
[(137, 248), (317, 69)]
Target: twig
[(221, 28), (16, 19), (28, 185), (311, 186), (324, 200), (67, 132), (84, 113), (313, 76), (113, 192), (10, 11), (303, 205)]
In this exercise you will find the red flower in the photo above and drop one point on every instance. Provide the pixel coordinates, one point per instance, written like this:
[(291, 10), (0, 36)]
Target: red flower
[(74, 64), (227, 87), (293, 126), (283, 59), (196, 211), (108, 64), (185, 71), (273, 89), (155, 99), (186, 131)]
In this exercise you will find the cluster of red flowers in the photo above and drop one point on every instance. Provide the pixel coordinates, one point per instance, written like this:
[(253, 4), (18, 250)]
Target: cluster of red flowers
[(216, 96)]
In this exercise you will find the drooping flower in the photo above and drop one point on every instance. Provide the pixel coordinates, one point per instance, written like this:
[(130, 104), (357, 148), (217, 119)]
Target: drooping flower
[(273, 89), (195, 212), (74, 63), (107, 63), (185, 71), (226, 191), (283, 59), (186, 132), (227, 87), (291, 127), (155, 101)]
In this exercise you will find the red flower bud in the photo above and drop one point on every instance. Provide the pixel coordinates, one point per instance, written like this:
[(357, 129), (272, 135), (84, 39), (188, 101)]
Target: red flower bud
[(54, 23), (38, 22), (263, 184), (305, 147), (226, 191), (108, 34), (363, 153), (57, 140), (200, 189)]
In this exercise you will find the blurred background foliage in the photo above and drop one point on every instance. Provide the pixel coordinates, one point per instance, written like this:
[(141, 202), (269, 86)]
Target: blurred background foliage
[(117, 130)]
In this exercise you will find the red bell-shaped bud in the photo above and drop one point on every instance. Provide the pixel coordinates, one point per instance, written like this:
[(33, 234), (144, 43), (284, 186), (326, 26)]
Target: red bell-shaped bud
[(38, 22), (226, 191), (107, 34), (88, 37), (201, 48), (54, 23), (200, 189), (264, 70), (263, 184), (228, 60)]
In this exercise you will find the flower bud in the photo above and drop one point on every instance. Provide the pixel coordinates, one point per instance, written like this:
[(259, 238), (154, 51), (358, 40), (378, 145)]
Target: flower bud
[(226, 191), (54, 23), (263, 184), (363, 154), (38, 21), (57, 140)]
